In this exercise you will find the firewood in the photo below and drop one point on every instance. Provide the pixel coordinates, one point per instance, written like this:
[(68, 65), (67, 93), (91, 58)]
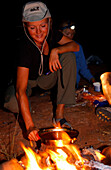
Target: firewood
[(11, 165), (107, 152)]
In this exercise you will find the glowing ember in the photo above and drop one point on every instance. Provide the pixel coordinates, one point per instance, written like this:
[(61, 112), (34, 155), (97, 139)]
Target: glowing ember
[(99, 155)]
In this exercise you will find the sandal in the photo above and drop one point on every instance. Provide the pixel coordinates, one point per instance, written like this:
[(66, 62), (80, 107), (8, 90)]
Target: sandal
[(104, 113), (62, 122)]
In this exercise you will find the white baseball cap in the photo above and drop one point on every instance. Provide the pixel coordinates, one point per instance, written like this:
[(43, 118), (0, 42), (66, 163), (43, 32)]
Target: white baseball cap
[(35, 11)]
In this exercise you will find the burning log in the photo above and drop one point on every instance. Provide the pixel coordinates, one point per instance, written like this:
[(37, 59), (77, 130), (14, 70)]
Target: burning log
[(11, 165), (95, 153), (97, 165), (101, 161), (107, 152), (106, 85)]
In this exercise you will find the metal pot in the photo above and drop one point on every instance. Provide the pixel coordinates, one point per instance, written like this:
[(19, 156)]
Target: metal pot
[(54, 136)]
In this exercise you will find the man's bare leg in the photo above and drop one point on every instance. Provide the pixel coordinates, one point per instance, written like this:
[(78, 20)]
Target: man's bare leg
[(60, 111)]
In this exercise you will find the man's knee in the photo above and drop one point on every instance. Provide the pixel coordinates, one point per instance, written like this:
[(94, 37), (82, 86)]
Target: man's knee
[(46, 82), (12, 105), (68, 60), (68, 57)]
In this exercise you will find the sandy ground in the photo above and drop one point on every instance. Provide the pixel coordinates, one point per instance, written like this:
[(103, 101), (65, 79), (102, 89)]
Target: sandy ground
[(92, 131)]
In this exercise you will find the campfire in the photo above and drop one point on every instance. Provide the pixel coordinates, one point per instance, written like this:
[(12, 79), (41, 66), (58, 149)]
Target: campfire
[(63, 154), (64, 157)]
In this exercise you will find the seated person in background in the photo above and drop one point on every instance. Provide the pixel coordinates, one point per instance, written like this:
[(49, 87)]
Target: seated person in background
[(67, 27)]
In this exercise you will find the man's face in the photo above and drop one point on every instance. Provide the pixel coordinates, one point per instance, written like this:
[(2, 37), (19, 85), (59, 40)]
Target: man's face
[(38, 30), (69, 33)]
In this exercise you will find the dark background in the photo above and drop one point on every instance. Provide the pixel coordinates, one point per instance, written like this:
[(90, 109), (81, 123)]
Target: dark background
[(92, 20)]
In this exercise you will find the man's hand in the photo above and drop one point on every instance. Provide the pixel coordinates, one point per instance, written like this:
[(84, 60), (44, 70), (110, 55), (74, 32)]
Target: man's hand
[(54, 63), (33, 136)]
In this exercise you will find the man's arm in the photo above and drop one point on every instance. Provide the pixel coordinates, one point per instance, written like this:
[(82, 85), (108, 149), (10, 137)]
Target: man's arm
[(21, 86), (66, 45)]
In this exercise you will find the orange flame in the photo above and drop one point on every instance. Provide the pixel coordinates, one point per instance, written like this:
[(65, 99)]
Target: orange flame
[(32, 159), (99, 155), (60, 157)]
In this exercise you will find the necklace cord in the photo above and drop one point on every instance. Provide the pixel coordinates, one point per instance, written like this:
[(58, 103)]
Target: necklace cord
[(40, 72)]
